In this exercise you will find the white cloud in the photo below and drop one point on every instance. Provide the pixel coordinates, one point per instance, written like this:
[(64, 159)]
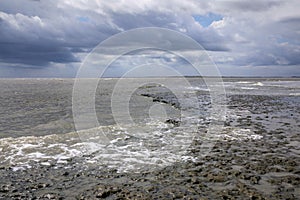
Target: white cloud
[(251, 33)]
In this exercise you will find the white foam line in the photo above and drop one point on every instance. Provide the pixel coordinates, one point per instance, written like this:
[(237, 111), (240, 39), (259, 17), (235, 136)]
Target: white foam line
[(248, 88), (258, 84)]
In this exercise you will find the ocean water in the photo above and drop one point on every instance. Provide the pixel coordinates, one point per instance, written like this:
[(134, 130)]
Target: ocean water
[(166, 116), (151, 138)]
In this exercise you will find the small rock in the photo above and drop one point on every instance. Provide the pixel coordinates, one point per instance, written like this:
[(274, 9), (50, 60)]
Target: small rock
[(66, 173), (173, 121), (4, 188)]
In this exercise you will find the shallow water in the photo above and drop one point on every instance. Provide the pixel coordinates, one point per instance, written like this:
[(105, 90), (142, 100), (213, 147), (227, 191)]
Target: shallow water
[(256, 148)]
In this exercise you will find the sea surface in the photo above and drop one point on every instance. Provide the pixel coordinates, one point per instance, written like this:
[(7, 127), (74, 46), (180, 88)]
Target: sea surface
[(155, 138)]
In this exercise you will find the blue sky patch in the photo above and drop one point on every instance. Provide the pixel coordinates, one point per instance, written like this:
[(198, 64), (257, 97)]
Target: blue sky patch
[(208, 19), (83, 19)]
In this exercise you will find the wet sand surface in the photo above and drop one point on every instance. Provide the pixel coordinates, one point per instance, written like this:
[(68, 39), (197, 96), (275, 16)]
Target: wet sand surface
[(255, 156)]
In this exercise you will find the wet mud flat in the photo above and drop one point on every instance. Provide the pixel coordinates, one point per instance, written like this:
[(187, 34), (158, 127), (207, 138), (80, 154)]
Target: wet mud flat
[(257, 156), (232, 171)]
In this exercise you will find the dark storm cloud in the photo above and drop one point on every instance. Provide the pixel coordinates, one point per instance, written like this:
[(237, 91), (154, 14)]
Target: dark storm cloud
[(40, 55), (39, 33), (49, 34)]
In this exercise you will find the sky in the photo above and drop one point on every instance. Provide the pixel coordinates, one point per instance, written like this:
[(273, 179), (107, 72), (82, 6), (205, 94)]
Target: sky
[(51, 38)]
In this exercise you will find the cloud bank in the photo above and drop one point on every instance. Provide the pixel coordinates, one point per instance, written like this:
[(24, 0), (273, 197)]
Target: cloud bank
[(51, 38)]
